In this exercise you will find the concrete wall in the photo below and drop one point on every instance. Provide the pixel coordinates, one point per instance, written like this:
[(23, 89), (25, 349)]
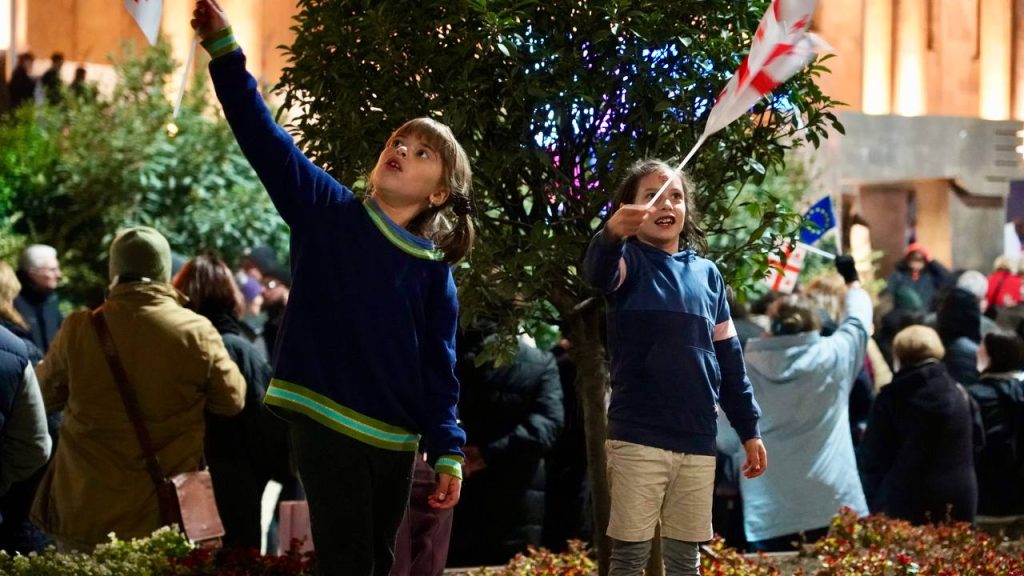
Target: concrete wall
[(958, 168)]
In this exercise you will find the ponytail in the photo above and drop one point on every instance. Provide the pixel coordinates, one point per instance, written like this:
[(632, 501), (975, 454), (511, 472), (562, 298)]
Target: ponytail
[(449, 226)]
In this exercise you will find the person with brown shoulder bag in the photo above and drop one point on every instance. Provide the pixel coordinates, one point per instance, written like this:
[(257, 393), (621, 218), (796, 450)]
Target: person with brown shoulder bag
[(134, 379)]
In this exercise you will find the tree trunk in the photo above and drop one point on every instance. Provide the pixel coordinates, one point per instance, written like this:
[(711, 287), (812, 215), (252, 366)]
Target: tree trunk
[(588, 351)]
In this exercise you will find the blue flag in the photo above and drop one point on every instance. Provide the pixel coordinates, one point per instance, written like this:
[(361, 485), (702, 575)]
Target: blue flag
[(818, 220)]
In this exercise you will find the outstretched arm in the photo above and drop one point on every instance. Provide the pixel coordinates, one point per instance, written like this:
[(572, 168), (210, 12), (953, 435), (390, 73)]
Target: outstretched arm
[(294, 183), (604, 266)]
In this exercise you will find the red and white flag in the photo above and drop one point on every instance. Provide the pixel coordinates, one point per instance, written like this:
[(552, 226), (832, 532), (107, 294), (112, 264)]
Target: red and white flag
[(783, 276), (147, 15), (780, 48)]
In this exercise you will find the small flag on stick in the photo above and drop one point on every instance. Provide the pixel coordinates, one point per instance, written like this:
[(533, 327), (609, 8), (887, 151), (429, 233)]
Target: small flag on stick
[(147, 15), (818, 220)]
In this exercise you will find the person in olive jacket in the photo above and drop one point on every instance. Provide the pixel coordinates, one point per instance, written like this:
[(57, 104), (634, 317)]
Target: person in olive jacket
[(512, 415), (176, 364)]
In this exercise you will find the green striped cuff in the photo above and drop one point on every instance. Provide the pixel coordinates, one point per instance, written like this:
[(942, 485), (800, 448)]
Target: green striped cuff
[(221, 43), (450, 464), (341, 418)]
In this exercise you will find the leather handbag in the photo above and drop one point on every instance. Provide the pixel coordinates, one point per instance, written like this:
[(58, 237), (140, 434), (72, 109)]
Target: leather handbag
[(186, 500)]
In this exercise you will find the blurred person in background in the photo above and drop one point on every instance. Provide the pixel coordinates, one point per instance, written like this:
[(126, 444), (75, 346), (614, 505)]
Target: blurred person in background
[(249, 449), (38, 303), (917, 457)]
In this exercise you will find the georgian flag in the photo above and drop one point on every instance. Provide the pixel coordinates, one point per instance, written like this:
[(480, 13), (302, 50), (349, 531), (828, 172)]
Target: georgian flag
[(780, 48), (784, 268), (147, 15)]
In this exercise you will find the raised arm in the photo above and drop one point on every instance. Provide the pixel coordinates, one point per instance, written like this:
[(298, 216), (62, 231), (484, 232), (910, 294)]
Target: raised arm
[(853, 330), (296, 186)]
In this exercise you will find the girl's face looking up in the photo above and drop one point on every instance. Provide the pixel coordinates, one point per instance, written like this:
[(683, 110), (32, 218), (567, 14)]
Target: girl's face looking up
[(663, 226), (409, 173)]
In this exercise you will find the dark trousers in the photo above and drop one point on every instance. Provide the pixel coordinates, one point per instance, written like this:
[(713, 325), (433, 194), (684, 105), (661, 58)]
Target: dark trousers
[(422, 545), (789, 542), (357, 495)]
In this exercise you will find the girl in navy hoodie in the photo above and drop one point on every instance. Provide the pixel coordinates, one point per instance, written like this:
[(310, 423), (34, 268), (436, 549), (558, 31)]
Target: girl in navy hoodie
[(674, 356), (363, 363)]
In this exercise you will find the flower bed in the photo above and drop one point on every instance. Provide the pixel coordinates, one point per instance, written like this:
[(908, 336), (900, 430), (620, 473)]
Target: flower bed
[(872, 546), (165, 553)]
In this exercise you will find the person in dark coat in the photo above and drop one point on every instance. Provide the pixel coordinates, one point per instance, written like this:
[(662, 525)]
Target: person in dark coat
[(244, 451), (22, 86), (39, 274), (512, 415), (1000, 397), (277, 283), (919, 272), (917, 456), (53, 86), (958, 322)]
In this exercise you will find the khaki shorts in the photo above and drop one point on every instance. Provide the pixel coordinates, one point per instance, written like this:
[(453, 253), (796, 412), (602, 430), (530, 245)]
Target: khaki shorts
[(648, 484)]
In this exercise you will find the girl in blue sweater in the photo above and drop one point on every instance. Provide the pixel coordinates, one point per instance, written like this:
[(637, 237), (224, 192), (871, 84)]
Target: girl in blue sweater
[(364, 360), (674, 358)]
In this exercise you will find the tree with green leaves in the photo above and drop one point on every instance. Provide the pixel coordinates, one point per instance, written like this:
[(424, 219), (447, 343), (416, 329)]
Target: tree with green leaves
[(71, 175), (553, 100)]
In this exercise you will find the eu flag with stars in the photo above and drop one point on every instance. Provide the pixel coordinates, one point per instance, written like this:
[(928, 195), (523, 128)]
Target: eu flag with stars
[(818, 220)]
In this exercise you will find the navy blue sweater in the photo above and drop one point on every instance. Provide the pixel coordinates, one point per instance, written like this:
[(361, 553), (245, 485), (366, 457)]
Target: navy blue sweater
[(367, 345), (674, 351)]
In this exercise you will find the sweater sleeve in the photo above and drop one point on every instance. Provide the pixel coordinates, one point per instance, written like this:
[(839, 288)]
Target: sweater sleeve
[(443, 437), (736, 395), (225, 386), (52, 372), (296, 186), (26, 444), (604, 266)]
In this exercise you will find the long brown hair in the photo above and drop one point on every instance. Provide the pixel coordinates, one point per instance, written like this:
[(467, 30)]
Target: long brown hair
[(449, 225), (692, 236), (210, 286), (9, 289)]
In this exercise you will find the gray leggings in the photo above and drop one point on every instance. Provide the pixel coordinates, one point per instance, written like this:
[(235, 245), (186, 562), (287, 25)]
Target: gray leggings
[(630, 558)]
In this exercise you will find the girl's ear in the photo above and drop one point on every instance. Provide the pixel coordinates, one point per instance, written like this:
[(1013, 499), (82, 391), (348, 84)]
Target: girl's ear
[(439, 197)]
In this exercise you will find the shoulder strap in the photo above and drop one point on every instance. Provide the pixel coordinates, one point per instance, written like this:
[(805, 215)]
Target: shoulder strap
[(131, 402)]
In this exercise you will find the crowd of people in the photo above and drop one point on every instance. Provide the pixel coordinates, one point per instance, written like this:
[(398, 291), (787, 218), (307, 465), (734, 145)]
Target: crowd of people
[(25, 88), (341, 372), (930, 434)]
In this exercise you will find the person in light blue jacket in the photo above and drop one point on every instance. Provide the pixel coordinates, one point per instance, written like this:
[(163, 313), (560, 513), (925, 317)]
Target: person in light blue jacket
[(802, 382)]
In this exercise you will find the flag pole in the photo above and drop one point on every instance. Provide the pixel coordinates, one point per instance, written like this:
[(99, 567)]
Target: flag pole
[(678, 169), (184, 80), (817, 251)]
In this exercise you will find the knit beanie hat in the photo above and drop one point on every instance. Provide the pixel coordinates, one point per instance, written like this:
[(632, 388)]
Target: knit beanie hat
[(140, 252)]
